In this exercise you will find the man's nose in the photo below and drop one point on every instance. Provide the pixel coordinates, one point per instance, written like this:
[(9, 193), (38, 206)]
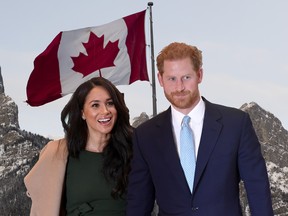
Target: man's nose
[(179, 85)]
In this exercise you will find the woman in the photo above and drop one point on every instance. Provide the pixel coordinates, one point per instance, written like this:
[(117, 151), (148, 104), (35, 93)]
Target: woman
[(86, 172)]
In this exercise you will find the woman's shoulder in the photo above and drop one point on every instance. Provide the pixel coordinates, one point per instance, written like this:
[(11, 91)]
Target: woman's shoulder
[(55, 147)]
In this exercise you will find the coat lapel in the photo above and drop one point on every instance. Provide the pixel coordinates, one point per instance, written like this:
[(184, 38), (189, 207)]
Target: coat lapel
[(44, 182), (210, 133), (168, 148)]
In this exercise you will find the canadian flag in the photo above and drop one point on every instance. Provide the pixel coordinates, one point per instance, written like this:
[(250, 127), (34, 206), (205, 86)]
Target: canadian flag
[(115, 51)]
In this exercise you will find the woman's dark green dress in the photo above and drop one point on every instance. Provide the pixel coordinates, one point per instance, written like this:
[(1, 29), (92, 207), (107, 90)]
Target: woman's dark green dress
[(87, 191)]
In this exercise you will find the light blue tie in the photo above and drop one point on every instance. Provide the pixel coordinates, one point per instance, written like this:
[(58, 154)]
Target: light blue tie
[(187, 151)]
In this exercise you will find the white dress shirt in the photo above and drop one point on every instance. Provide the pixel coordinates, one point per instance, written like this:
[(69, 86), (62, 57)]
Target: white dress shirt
[(196, 124)]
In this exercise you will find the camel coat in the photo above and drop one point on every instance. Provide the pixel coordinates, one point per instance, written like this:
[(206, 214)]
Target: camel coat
[(45, 181)]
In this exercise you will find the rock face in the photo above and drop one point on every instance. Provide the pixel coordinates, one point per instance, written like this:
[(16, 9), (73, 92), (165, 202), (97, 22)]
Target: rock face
[(19, 151), (139, 120), (274, 143), (1, 83)]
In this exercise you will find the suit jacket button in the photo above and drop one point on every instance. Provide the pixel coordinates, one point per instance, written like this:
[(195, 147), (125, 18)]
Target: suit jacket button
[(195, 208)]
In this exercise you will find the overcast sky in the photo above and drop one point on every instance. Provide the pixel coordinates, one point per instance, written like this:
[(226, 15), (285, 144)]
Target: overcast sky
[(244, 44)]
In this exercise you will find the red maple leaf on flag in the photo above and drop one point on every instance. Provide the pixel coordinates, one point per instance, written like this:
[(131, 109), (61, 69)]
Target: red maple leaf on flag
[(97, 56)]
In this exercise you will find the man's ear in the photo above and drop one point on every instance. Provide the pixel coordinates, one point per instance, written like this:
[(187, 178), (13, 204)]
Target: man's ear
[(160, 79), (200, 75)]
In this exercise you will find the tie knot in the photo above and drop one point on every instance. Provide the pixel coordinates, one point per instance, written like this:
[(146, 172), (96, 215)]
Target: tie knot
[(186, 120)]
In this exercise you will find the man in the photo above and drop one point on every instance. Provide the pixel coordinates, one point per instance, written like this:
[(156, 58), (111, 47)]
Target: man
[(226, 150)]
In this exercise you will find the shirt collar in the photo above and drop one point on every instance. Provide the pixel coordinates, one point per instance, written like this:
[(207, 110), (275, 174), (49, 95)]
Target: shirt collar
[(196, 114)]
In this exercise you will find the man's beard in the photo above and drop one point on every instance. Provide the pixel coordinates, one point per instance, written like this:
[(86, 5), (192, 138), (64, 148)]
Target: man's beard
[(186, 101)]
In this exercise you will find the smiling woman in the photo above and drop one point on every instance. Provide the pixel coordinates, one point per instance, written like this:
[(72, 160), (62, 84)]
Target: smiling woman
[(89, 167), (100, 114)]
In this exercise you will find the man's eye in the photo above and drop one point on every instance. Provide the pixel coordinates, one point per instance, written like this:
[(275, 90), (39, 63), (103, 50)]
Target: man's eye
[(171, 78)]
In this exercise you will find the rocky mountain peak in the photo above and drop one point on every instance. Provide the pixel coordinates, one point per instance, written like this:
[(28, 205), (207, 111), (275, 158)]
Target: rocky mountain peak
[(8, 110), (1, 83), (18, 151), (270, 132), (274, 144)]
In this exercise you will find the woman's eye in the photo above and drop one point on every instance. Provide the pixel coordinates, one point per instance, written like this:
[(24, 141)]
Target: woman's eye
[(110, 103), (95, 105)]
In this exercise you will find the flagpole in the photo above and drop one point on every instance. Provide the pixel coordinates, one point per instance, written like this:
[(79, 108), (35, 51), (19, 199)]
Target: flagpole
[(154, 100)]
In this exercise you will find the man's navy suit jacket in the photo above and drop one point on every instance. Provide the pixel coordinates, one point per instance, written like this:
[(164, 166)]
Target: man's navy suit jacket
[(229, 151)]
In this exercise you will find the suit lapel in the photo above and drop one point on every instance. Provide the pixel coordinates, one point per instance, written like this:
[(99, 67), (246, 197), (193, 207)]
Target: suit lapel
[(169, 149), (210, 133)]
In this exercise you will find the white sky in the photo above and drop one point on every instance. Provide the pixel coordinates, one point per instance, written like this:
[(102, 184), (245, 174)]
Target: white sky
[(244, 44)]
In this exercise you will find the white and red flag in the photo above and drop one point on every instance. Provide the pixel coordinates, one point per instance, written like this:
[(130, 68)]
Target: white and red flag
[(115, 51)]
